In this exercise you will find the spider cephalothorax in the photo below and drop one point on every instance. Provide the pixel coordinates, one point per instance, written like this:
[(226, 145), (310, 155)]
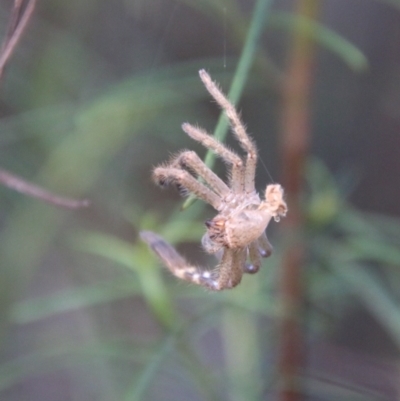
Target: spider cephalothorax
[(237, 232)]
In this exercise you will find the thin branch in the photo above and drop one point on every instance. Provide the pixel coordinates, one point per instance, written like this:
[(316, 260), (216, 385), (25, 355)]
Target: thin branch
[(14, 18), (16, 28), (29, 189), (18, 22)]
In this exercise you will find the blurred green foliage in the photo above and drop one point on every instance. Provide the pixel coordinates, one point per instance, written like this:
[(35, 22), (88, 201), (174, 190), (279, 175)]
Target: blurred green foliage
[(80, 295)]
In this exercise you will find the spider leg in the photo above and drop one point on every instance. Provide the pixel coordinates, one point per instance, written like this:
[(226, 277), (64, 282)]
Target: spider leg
[(231, 268), (190, 161), (185, 182), (230, 157), (211, 246), (265, 248), (238, 129), (255, 259), (178, 265)]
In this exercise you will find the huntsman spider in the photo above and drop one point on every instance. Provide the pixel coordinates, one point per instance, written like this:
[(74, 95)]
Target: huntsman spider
[(237, 233)]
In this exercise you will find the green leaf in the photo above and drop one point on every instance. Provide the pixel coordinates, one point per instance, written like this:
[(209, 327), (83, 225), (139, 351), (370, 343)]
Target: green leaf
[(337, 44), (137, 258)]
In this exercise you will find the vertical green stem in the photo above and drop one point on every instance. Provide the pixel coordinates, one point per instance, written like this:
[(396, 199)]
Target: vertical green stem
[(258, 19), (241, 340), (239, 329)]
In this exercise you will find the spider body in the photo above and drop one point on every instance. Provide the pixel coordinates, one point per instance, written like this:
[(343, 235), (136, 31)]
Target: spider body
[(237, 232)]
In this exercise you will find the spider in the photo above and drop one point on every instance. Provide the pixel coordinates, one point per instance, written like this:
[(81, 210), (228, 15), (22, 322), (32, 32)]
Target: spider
[(237, 232)]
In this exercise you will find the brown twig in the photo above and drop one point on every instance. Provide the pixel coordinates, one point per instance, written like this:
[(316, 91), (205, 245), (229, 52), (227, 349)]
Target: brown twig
[(295, 143), (18, 22), (29, 189), (20, 16)]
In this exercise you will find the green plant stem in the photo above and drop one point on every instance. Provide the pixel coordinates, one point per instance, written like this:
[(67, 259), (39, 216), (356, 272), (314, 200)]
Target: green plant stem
[(258, 19), (240, 333), (139, 387), (239, 330)]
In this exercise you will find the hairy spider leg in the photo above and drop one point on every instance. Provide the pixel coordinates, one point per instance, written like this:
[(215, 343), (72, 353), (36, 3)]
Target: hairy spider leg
[(228, 156), (265, 246), (230, 270), (185, 182), (255, 258), (238, 128), (228, 273), (177, 264), (189, 160)]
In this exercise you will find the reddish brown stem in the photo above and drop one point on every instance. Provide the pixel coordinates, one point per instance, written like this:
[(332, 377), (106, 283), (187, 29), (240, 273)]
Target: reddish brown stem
[(295, 143)]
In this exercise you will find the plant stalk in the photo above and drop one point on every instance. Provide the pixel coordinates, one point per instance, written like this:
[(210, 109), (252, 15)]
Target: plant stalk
[(295, 143)]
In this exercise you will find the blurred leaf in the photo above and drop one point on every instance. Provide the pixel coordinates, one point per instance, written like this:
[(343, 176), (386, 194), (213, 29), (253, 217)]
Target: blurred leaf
[(324, 202), (374, 296), (140, 386), (352, 221), (138, 258), (35, 309), (380, 252), (387, 225), (345, 50), (49, 360)]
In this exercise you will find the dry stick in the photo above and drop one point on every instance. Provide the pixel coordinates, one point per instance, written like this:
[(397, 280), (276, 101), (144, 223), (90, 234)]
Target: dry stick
[(17, 24), (26, 188), (14, 18), (295, 143), (16, 29)]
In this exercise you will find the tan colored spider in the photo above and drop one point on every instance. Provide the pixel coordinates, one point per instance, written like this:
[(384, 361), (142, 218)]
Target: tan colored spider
[(237, 232)]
